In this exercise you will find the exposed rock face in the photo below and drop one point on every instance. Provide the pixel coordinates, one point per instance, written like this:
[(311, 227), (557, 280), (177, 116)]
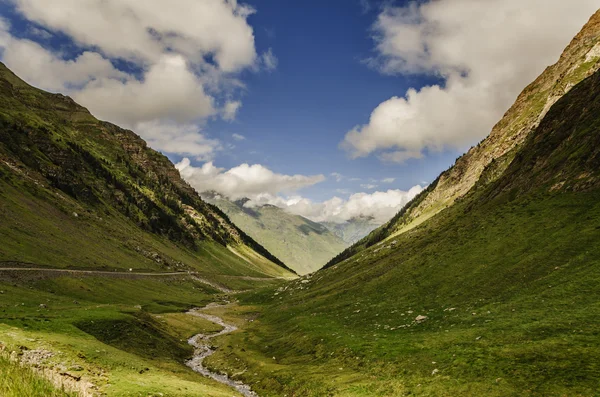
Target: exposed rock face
[(580, 60)]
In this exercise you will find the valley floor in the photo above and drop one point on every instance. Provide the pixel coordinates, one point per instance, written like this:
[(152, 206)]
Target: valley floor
[(92, 333)]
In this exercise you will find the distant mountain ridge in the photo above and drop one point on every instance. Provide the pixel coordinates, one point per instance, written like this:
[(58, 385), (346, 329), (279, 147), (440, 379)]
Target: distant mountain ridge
[(354, 229), (302, 244)]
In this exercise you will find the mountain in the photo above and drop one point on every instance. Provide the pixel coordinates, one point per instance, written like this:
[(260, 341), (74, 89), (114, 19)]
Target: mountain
[(103, 251), (305, 246), (81, 193), (495, 295), (352, 230), (484, 163)]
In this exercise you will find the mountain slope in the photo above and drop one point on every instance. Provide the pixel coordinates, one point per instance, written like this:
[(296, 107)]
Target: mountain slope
[(497, 295), (305, 246), (485, 162), (78, 192), (103, 248)]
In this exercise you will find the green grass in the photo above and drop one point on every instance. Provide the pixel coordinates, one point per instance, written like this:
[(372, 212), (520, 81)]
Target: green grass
[(40, 228), (78, 192), (128, 337), (534, 296), (508, 278), (18, 381), (504, 141)]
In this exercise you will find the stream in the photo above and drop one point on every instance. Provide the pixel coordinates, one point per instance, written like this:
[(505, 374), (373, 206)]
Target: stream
[(203, 349)]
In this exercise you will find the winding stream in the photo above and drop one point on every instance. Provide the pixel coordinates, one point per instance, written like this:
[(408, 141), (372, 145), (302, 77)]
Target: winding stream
[(201, 343)]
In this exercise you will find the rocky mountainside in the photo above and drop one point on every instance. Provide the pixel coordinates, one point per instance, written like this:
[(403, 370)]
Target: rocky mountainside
[(485, 162), (304, 246), (81, 192)]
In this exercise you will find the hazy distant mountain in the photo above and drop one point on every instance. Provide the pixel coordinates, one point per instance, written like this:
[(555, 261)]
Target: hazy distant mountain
[(304, 245), (352, 230)]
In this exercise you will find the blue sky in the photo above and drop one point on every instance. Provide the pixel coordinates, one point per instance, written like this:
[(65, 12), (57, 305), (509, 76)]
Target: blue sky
[(340, 108), (295, 117)]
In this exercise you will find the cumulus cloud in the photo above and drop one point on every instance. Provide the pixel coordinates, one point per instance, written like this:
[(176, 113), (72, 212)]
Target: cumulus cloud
[(143, 31), (185, 139), (381, 206), (263, 186), (485, 53), (242, 181), (184, 60), (40, 67), (169, 91)]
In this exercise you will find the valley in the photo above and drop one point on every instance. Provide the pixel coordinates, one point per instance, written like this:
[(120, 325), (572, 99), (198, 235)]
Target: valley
[(118, 278)]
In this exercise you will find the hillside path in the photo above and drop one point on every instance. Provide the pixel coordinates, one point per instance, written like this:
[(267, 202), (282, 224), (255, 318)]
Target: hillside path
[(98, 272), (128, 275)]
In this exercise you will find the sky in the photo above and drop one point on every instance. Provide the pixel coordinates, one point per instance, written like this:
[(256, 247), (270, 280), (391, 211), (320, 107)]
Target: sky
[(330, 109)]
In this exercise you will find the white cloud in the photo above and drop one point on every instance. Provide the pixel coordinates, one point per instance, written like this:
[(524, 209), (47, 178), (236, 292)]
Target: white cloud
[(238, 137), (400, 156), (269, 60), (188, 57), (42, 68), (244, 180), (143, 31), (381, 206), (368, 186), (485, 52), (170, 90), (388, 180), (230, 110), (263, 186), (185, 139)]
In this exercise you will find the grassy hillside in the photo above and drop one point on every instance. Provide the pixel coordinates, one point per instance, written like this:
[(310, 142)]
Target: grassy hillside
[(78, 192), (497, 295), (485, 162), (18, 381), (304, 246), (104, 336), (135, 247)]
